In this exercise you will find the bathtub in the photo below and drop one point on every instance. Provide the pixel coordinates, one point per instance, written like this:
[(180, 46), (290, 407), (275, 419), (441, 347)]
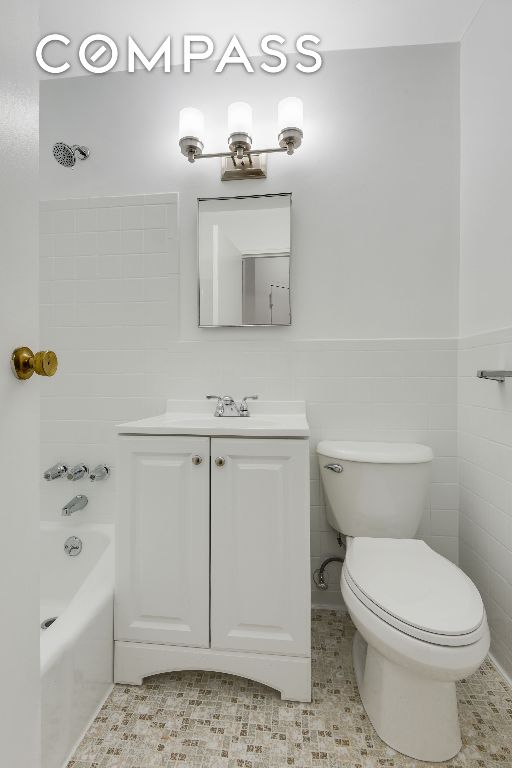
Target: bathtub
[(77, 649)]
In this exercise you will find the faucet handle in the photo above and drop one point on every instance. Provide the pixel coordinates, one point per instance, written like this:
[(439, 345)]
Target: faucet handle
[(219, 408), (58, 470), (100, 472), (77, 472), (244, 409), (249, 397)]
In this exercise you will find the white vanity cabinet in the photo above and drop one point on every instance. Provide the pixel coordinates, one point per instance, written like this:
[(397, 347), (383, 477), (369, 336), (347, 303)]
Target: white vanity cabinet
[(213, 558), (163, 540), (260, 546)]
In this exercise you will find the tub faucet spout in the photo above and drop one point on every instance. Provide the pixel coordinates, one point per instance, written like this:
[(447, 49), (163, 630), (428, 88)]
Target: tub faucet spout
[(76, 503)]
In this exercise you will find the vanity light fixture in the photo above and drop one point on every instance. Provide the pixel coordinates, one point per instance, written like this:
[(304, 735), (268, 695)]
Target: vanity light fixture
[(242, 161)]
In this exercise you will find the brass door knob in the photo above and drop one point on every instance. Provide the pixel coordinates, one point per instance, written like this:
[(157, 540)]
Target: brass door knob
[(196, 460), (24, 363), (220, 461)]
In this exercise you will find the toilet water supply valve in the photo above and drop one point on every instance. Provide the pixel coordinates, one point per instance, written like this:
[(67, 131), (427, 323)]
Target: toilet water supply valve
[(319, 575)]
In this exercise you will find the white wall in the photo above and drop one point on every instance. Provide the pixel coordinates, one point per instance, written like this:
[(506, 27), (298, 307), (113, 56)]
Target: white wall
[(19, 405), (485, 408), (374, 217), (375, 259), (486, 171)]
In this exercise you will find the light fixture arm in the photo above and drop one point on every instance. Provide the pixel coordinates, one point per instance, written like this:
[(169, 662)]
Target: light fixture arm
[(235, 155)]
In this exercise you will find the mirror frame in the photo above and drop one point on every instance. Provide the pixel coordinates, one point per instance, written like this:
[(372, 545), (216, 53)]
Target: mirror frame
[(242, 197)]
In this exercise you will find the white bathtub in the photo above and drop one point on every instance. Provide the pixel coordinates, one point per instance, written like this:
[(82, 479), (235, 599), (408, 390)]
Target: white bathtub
[(77, 649)]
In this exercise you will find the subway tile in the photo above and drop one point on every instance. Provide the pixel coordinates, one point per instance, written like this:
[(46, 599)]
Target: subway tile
[(109, 219), (132, 217), (86, 267), (155, 241), (64, 221), (132, 241), (46, 246), (157, 265), (87, 220), (109, 266), (132, 265), (86, 243), (166, 198), (109, 243), (116, 202), (173, 252), (155, 216), (64, 245)]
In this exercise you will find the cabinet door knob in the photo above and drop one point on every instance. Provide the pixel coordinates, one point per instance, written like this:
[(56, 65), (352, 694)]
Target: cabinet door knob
[(220, 461), (196, 460)]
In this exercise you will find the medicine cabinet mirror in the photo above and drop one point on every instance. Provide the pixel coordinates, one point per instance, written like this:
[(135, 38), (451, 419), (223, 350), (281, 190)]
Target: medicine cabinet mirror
[(244, 260)]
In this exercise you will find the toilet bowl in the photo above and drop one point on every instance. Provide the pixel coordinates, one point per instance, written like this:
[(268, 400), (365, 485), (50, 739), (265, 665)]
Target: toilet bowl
[(420, 621)]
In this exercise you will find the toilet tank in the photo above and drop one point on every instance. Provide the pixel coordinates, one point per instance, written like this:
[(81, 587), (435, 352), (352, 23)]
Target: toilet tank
[(375, 489)]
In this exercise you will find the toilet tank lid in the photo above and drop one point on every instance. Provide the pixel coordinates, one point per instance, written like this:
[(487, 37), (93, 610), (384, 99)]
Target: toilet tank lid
[(376, 453)]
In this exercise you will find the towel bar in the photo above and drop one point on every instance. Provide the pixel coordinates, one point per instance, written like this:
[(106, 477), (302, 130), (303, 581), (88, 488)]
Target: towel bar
[(494, 375)]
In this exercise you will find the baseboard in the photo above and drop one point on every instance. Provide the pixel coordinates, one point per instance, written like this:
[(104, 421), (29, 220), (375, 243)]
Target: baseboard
[(500, 670), (327, 599), (92, 719)]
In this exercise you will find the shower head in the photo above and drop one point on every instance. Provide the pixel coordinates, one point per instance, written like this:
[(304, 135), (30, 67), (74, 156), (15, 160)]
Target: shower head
[(66, 155)]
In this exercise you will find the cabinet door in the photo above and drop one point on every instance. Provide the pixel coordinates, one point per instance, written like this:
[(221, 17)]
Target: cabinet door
[(260, 589), (163, 532)]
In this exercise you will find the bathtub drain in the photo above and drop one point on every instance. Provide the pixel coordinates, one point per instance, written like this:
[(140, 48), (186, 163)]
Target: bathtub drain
[(48, 622)]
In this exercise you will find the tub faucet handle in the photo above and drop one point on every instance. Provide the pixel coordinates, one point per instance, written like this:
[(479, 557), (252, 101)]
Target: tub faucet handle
[(77, 472), (100, 472), (58, 470)]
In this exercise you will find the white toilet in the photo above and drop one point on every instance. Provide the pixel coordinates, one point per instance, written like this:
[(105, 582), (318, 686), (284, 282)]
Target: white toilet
[(421, 623)]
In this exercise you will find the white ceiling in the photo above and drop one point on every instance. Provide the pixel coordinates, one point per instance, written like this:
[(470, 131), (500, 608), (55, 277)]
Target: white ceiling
[(341, 24)]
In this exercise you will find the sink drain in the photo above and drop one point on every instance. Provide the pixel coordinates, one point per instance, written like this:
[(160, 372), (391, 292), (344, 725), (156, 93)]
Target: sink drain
[(48, 622)]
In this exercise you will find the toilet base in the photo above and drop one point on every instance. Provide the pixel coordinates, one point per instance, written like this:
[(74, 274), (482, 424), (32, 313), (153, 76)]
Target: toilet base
[(413, 714)]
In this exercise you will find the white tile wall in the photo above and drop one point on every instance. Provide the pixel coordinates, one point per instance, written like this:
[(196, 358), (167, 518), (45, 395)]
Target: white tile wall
[(485, 449), (109, 306)]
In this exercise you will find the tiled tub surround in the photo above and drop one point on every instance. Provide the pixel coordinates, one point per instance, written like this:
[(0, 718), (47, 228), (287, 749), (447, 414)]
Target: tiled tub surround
[(200, 720), (110, 306), (485, 450)]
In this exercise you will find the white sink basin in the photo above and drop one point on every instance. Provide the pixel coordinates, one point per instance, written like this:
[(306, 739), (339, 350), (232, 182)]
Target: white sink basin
[(185, 417)]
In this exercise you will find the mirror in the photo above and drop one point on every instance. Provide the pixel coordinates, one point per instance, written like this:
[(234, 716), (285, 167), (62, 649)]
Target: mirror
[(244, 260)]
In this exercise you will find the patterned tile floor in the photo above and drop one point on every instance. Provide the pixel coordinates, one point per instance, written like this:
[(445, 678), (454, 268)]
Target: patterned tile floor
[(205, 720)]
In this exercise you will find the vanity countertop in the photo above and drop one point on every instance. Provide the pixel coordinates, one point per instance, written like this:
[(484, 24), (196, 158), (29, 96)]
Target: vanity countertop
[(195, 417)]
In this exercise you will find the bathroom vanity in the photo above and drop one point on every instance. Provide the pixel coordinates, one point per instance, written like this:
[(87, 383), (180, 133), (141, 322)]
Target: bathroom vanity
[(213, 563)]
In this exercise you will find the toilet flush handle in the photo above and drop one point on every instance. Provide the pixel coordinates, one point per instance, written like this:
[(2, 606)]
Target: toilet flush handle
[(334, 467)]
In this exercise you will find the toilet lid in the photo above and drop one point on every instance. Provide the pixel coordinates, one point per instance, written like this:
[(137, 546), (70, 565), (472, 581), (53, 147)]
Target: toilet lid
[(414, 586)]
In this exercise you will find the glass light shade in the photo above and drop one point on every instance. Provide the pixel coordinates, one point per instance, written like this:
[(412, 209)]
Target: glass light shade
[(240, 118), (191, 123), (290, 113)]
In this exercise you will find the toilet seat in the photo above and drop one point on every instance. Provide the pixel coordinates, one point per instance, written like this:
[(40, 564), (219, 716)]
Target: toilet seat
[(415, 590)]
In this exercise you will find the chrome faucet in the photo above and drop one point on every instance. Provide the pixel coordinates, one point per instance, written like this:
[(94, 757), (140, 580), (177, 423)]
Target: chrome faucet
[(76, 503), (227, 406)]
